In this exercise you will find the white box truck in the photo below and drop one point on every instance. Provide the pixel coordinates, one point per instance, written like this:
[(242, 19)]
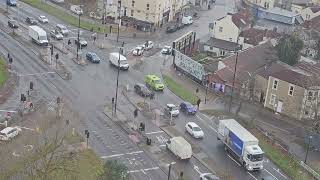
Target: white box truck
[(187, 20), (114, 60), (241, 144), (38, 35), (179, 147)]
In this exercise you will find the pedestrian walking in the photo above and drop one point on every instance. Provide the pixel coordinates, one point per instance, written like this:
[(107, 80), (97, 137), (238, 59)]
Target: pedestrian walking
[(197, 90), (198, 102)]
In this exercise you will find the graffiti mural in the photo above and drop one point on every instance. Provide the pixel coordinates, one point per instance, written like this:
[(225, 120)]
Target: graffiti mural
[(189, 65)]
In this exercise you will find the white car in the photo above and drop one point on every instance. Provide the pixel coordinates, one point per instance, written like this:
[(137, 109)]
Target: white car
[(9, 133), (208, 176), (172, 109), (76, 9), (138, 51), (166, 50), (194, 130), (56, 35), (43, 19), (147, 45)]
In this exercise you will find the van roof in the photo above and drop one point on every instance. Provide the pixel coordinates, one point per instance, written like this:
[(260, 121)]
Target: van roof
[(6, 130), (116, 54)]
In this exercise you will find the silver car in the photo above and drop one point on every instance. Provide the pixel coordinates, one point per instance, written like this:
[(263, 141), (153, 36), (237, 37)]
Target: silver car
[(56, 35)]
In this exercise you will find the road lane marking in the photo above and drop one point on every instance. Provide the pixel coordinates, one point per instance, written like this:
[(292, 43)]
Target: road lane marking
[(271, 174), (162, 145), (143, 170), (136, 152), (155, 132), (278, 171), (213, 129), (26, 128), (35, 74), (233, 160), (252, 176), (115, 155)]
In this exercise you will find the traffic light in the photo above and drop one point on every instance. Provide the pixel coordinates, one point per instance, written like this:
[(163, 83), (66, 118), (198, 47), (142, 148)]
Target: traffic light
[(51, 48), (31, 86), (112, 100), (57, 56), (10, 60), (135, 113), (23, 98), (106, 35)]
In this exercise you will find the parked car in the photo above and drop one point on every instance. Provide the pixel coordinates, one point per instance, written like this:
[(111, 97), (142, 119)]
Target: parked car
[(9, 133), (62, 29), (208, 176), (56, 35), (138, 51), (83, 43), (154, 82), (147, 45), (142, 90), (76, 9), (171, 29), (13, 24), (43, 19), (180, 147), (31, 20), (166, 50), (171, 110), (188, 108), (92, 57), (194, 130)]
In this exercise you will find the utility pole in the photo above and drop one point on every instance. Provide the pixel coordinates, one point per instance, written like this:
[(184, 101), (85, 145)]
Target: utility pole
[(78, 45), (115, 105), (119, 17)]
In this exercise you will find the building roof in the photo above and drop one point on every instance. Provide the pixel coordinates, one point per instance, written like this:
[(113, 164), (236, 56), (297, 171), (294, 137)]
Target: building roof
[(315, 9), (255, 36), (222, 44), (314, 23), (279, 11), (249, 62), (242, 18)]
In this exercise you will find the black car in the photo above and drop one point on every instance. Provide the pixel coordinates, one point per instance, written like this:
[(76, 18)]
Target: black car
[(31, 20), (13, 24), (179, 26), (171, 29), (142, 90), (93, 57)]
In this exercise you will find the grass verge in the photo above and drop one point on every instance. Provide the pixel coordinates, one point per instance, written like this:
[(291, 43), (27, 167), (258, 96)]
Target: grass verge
[(179, 90), (287, 164), (3, 72), (67, 18)]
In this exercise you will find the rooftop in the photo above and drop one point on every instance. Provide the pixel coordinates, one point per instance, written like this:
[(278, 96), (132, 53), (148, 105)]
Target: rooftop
[(279, 11), (254, 36), (222, 44)]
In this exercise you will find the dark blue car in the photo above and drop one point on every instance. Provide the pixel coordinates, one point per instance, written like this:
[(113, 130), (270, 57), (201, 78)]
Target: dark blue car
[(93, 57), (188, 108)]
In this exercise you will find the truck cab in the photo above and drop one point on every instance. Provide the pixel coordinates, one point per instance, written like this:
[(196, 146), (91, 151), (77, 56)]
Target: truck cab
[(154, 82), (253, 158)]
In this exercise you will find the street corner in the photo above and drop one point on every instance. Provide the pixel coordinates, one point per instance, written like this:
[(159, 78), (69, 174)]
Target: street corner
[(151, 52), (80, 61)]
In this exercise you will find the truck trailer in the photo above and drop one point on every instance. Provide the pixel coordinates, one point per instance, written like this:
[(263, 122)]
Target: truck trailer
[(241, 144), (38, 35)]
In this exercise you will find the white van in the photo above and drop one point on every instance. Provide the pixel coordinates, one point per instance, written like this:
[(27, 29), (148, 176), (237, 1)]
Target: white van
[(186, 20), (179, 147), (8, 133), (114, 58), (62, 29)]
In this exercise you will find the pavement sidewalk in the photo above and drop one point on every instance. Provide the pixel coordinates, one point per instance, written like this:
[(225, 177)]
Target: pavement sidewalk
[(293, 133)]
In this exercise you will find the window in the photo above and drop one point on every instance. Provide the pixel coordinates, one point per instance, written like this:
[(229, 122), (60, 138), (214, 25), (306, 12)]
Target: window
[(275, 84), (133, 3), (222, 53), (220, 29), (310, 94), (132, 11), (148, 6), (211, 48), (291, 88), (272, 99), (230, 39), (147, 16)]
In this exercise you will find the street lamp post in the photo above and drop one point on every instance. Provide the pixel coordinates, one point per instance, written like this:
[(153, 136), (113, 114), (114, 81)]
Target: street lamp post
[(117, 86), (172, 163), (305, 159), (78, 45)]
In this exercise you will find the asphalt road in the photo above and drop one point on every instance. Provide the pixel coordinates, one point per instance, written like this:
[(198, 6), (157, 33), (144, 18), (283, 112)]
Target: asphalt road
[(93, 86)]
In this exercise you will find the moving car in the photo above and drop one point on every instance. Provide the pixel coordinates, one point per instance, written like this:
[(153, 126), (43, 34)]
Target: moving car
[(166, 50), (56, 35), (194, 130), (208, 176), (179, 147), (83, 43), (188, 108), (62, 29), (118, 60), (38, 35), (31, 20), (11, 2), (76, 9), (142, 90), (9, 133), (92, 57), (187, 20), (147, 45), (138, 51), (13, 24), (172, 110), (43, 19), (171, 29), (154, 82)]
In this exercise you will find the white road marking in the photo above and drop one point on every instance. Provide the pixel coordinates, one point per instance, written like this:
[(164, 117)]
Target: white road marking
[(136, 152), (143, 170), (197, 169), (35, 74), (115, 155), (252, 176), (162, 145), (271, 174), (155, 132), (26, 128), (213, 129), (8, 111), (234, 160), (278, 171)]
